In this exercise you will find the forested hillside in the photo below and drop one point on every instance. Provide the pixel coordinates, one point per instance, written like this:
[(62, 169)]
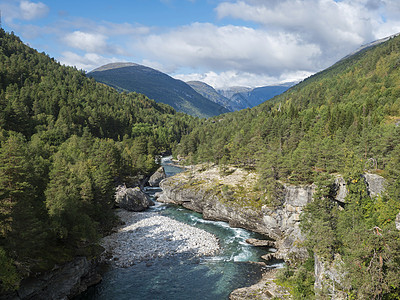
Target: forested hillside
[(65, 143), (344, 120)]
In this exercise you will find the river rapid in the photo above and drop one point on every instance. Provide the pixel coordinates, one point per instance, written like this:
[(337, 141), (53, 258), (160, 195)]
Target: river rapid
[(185, 277)]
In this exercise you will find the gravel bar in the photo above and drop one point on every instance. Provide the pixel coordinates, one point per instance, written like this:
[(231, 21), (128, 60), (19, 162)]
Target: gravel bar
[(148, 235)]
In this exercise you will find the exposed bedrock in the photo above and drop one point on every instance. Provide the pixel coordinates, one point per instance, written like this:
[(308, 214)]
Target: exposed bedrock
[(195, 190)]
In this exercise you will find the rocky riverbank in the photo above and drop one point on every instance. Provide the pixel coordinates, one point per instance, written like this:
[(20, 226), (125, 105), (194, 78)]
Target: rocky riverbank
[(229, 195), (148, 235)]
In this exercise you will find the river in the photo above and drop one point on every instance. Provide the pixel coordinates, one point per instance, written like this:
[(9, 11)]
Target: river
[(212, 277)]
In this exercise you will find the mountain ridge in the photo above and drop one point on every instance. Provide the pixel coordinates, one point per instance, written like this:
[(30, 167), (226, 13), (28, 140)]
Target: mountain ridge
[(131, 77)]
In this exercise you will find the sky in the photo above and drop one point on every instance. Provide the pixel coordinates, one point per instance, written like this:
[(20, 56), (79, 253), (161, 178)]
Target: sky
[(221, 42)]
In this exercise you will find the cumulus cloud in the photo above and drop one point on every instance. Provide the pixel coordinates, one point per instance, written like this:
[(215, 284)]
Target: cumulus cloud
[(23, 10), (88, 61), (293, 39), (31, 10), (90, 42), (230, 78), (337, 27), (266, 42), (230, 47)]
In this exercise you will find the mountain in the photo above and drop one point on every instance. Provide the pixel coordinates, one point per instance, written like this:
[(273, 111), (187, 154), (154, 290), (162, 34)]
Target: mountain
[(238, 97), (340, 124), (262, 94), (244, 97), (156, 85), (65, 142), (210, 93)]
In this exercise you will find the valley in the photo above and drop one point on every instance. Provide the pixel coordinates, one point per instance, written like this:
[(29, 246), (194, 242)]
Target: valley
[(314, 169)]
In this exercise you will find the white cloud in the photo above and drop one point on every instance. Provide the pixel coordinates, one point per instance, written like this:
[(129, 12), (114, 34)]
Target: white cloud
[(32, 10), (24, 10), (90, 42), (277, 40), (230, 78), (337, 27), (229, 48), (88, 61)]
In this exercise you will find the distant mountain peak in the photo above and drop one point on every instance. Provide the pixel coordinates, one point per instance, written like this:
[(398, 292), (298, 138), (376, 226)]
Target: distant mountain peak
[(115, 65), (161, 87)]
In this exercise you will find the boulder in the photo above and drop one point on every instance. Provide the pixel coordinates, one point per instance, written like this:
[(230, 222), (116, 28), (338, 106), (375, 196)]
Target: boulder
[(156, 178), (132, 199), (340, 189), (375, 184)]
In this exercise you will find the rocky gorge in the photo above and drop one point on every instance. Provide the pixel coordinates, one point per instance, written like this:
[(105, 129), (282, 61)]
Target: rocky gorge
[(230, 198), (228, 195), (219, 194)]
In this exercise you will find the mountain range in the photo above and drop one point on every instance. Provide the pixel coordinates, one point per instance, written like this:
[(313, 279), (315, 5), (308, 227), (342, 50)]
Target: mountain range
[(131, 77), (244, 97), (193, 97)]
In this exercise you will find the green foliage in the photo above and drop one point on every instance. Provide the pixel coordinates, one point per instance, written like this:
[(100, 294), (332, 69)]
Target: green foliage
[(300, 281), (9, 277), (362, 233), (65, 142), (343, 120), (349, 109)]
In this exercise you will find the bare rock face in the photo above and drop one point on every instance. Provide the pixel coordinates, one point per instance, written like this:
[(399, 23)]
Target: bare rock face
[(375, 184), (398, 222), (279, 223), (63, 282), (265, 289), (329, 278), (340, 188), (132, 199), (156, 178)]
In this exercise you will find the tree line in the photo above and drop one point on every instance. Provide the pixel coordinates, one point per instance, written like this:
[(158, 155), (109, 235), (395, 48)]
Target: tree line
[(344, 120), (65, 142)]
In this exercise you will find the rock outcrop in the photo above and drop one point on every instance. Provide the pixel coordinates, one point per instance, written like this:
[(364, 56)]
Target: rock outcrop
[(212, 193), (156, 178), (398, 221), (63, 282), (279, 223), (375, 184), (340, 189), (265, 289), (260, 243), (132, 199), (329, 278)]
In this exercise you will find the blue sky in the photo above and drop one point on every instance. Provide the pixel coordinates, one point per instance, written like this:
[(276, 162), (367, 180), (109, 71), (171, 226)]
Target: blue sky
[(221, 42)]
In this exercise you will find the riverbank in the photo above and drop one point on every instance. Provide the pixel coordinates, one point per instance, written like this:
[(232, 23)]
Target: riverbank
[(265, 289), (148, 235)]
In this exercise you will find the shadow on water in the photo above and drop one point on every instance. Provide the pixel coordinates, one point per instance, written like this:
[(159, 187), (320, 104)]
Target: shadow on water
[(177, 277)]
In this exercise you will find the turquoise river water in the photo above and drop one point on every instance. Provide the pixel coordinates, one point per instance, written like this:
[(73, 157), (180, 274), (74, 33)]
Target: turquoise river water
[(177, 278)]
